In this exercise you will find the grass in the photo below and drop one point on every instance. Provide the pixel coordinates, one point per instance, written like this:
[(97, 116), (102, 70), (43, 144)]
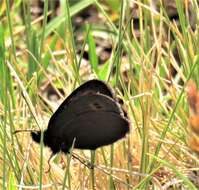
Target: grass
[(35, 53)]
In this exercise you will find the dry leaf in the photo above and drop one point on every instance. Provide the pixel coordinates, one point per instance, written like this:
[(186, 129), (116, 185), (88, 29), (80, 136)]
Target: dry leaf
[(193, 100)]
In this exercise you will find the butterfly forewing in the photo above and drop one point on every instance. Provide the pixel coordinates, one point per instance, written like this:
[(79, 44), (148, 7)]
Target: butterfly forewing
[(83, 104), (90, 87)]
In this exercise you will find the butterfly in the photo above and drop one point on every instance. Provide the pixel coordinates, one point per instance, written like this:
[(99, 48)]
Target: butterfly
[(90, 117)]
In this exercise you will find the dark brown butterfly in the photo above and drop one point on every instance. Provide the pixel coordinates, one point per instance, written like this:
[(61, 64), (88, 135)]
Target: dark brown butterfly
[(90, 117)]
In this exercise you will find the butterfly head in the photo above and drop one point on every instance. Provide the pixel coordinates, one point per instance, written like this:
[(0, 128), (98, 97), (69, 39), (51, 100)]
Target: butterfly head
[(52, 142), (36, 136)]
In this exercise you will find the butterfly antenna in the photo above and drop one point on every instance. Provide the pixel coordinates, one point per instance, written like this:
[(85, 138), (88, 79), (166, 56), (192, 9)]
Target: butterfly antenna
[(84, 162), (49, 165), (24, 130)]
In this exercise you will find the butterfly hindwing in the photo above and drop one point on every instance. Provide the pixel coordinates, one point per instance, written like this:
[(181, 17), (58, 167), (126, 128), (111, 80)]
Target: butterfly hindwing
[(102, 128)]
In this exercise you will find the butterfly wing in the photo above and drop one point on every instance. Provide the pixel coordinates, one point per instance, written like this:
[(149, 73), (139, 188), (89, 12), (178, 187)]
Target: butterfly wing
[(90, 87), (93, 119), (95, 86), (94, 129)]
